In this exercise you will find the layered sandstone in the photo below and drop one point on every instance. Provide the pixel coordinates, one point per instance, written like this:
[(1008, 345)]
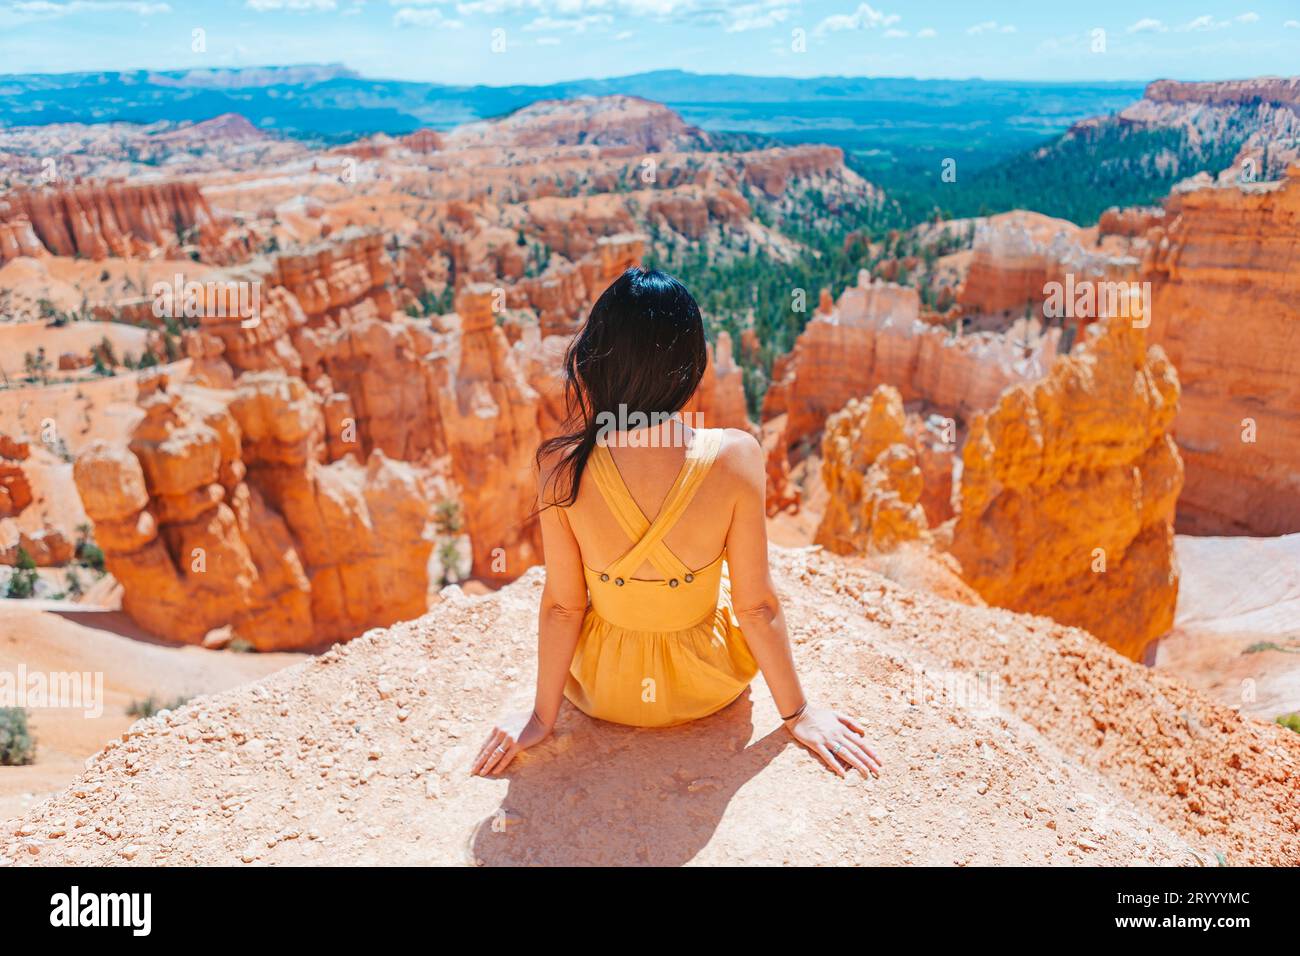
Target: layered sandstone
[(719, 401), (489, 416), (601, 121), (872, 477), (222, 512), (1068, 489), (15, 489), (1016, 255), (1223, 273), (874, 336), (98, 220)]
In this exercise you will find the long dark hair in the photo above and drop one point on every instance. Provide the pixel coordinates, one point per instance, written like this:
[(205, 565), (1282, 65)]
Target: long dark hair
[(642, 348)]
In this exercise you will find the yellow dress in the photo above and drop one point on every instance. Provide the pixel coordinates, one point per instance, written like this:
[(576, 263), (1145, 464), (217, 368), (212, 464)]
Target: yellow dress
[(662, 652)]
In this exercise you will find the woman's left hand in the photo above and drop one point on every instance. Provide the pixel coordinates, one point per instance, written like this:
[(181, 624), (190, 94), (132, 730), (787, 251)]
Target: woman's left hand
[(837, 739), (511, 734)]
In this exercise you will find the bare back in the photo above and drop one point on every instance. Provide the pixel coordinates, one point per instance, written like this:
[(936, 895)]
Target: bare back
[(697, 538)]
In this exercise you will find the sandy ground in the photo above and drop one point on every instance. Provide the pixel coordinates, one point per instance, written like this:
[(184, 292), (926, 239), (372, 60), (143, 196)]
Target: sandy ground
[(1237, 631), (1007, 739), (79, 412), (17, 339), (71, 284), (79, 639)]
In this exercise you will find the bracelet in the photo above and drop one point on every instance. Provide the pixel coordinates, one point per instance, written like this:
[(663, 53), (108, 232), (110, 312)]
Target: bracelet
[(802, 708)]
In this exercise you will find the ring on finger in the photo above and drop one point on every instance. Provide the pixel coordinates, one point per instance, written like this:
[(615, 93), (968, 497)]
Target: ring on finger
[(836, 748)]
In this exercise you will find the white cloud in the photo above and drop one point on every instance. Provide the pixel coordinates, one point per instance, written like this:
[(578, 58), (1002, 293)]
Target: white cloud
[(1147, 25), (1292, 24), (263, 6), (1203, 23), (865, 17), (990, 26), (757, 16), (896, 34), (46, 8), (424, 17), (624, 35), (926, 33), (572, 24), (1250, 17)]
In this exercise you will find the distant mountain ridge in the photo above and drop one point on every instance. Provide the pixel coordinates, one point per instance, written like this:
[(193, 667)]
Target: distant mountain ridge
[(333, 102)]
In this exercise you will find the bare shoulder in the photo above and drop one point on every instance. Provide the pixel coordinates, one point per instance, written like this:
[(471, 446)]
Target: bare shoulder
[(741, 457), (548, 470)]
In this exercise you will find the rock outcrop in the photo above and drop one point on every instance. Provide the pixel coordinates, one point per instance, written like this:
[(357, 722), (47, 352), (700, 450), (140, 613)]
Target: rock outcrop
[(1016, 254), (36, 516), (222, 511), (1226, 308), (874, 336), (489, 417), (15, 489), (98, 220), (598, 121), (1006, 739), (872, 477), (1068, 488)]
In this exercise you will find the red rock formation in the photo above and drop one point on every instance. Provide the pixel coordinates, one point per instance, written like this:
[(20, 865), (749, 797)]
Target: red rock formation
[(18, 238), (1016, 254), (15, 490), (422, 141), (96, 221), (1130, 222), (563, 295), (874, 336), (226, 515), (692, 211), (719, 401), (1226, 308), (771, 170), (609, 121), (872, 477), (489, 420), (345, 279), (1067, 493), (1278, 90)]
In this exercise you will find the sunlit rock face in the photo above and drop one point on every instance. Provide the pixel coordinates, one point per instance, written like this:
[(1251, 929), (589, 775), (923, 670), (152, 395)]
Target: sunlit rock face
[(1224, 270), (1068, 490)]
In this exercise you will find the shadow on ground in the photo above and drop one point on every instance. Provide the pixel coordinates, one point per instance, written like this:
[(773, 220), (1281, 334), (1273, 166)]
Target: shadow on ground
[(652, 798)]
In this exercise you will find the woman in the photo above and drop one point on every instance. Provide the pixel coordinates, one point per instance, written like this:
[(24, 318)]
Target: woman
[(641, 621)]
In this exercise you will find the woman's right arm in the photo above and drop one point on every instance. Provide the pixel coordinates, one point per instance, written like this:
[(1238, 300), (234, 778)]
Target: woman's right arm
[(828, 734)]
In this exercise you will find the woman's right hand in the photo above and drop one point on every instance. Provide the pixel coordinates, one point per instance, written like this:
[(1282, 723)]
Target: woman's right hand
[(835, 737), (510, 735)]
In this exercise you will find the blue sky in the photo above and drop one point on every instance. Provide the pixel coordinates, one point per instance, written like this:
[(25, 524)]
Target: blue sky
[(546, 40)]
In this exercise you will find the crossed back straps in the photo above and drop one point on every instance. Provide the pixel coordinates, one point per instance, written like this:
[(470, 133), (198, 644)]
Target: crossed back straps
[(647, 535)]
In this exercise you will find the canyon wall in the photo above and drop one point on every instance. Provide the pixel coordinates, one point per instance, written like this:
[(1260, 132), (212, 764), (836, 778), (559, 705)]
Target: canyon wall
[(223, 513), (1016, 254), (874, 336), (1224, 272), (1068, 490), (98, 220), (873, 478)]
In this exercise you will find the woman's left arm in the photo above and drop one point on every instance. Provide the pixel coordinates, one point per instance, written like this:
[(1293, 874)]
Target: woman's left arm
[(559, 622)]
